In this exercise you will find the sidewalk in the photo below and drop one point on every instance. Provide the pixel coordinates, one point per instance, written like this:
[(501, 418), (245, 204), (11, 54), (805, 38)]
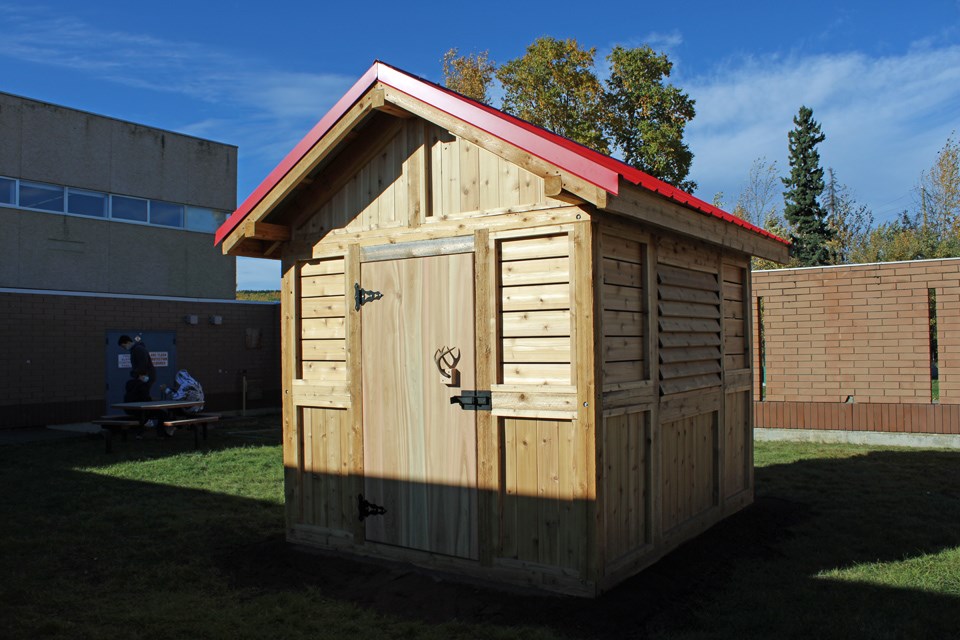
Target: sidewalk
[(43, 434)]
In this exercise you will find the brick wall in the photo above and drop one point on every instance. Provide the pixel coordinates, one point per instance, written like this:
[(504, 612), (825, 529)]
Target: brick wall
[(860, 334), (53, 365)]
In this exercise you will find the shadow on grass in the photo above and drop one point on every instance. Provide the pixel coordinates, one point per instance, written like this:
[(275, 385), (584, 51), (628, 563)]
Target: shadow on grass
[(758, 574), (90, 546)]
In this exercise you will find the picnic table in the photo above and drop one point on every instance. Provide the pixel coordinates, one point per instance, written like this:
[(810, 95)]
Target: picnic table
[(137, 414)]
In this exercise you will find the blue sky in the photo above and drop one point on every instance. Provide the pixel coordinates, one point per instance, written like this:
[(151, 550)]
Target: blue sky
[(883, 79)]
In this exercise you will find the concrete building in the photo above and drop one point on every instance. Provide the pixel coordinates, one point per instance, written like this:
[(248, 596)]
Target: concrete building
[(90, 203), (107, 227)]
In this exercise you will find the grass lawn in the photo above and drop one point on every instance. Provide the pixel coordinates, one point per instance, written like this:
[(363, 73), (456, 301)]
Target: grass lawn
[(159, 541)]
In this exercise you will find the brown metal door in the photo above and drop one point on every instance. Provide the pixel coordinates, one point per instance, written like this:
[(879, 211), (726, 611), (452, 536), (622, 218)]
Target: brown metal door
[(419, 450)]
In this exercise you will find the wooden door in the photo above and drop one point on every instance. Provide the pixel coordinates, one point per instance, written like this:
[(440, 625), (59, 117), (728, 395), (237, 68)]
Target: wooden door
[(419, 450)]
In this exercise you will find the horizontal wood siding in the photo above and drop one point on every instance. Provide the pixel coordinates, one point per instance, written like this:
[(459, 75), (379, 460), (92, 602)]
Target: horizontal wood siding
[(535, 310), (322, 325), (623, 302), (329, 499), (543, 469), (736, 343), (689, 468), (688, 311), (467, 179), (626, 492)]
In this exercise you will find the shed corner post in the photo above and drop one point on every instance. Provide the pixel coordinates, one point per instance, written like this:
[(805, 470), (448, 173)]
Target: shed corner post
[(488, 438), (586, 283), (355, 380), (292, 439)]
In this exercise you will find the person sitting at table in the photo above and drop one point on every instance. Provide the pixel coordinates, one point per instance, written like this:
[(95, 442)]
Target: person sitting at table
[(187, 388)]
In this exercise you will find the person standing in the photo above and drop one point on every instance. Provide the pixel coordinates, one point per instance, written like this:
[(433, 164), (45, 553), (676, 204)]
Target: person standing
[(142, 371)]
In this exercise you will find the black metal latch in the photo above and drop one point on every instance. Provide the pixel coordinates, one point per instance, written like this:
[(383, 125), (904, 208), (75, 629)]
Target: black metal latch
[(362, 296), (368, 508), (473, 401)]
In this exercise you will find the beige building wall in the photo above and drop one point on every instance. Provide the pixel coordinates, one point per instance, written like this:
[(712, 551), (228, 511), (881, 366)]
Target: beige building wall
[(48, 143)]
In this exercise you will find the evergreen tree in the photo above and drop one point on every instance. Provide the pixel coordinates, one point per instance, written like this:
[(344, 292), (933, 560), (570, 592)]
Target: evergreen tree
[(809, 230)]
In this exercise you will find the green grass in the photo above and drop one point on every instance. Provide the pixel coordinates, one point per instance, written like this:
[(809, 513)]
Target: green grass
[(262, 295), (159, 541)]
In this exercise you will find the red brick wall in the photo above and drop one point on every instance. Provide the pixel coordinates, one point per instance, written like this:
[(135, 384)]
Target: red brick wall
[(52, 367), (860, 331)]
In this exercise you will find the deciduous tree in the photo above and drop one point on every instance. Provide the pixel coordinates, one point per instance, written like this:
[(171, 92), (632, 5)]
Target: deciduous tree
[(645, 118), (470, 75), (553, 85), (758, 199)]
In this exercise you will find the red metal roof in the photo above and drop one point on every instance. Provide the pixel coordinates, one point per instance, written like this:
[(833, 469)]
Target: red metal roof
[(596, 168)]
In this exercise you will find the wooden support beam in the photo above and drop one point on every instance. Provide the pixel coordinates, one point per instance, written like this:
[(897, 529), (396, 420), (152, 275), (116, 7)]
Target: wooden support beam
[(557, 187), (265, 231)]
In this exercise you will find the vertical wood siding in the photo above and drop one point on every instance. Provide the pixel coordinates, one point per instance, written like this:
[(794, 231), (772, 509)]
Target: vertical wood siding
[(377, 194), (626, 490), (329, 499), (535, 308), (736, 444), (466, 179), (543, 467), (689, 468)]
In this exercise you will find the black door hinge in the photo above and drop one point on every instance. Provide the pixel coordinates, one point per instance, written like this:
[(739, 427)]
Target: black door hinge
[(362, 296), (473, 401), (368, 508)]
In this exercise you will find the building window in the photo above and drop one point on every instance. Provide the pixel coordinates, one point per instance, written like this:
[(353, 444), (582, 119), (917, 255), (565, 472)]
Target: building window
[(166, 214), (201, 219), (8, 191), (41, 196), (36, 195), (86, 203), (124, 208)]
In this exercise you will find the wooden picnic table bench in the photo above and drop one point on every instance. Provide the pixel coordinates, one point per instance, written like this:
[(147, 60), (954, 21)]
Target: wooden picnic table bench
[(123, 423)]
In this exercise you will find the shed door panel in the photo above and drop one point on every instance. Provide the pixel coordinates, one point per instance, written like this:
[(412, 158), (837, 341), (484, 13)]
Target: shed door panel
[(419, 449)]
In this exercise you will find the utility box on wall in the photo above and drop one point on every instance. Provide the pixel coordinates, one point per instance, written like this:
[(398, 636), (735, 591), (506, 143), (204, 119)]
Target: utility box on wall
[(504, 355), (162, 346)]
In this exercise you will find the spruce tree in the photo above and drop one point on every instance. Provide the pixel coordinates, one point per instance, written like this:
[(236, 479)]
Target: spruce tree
[(809, 231)]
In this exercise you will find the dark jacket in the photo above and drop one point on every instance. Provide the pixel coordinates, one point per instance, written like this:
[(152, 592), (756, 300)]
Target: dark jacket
[(141, 363)]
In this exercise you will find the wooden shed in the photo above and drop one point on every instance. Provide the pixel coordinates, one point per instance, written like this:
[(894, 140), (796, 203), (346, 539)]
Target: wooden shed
[(504, 355)]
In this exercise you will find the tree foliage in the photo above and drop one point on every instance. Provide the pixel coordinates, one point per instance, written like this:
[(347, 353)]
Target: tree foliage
[(933, 229), (553, 85), (850, 222), (470, 75), (645, 118), (809, 231), (635, 113)]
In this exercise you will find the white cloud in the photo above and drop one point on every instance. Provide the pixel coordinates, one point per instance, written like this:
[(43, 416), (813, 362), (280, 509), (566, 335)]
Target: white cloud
[(884, 118), (282, 102)]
